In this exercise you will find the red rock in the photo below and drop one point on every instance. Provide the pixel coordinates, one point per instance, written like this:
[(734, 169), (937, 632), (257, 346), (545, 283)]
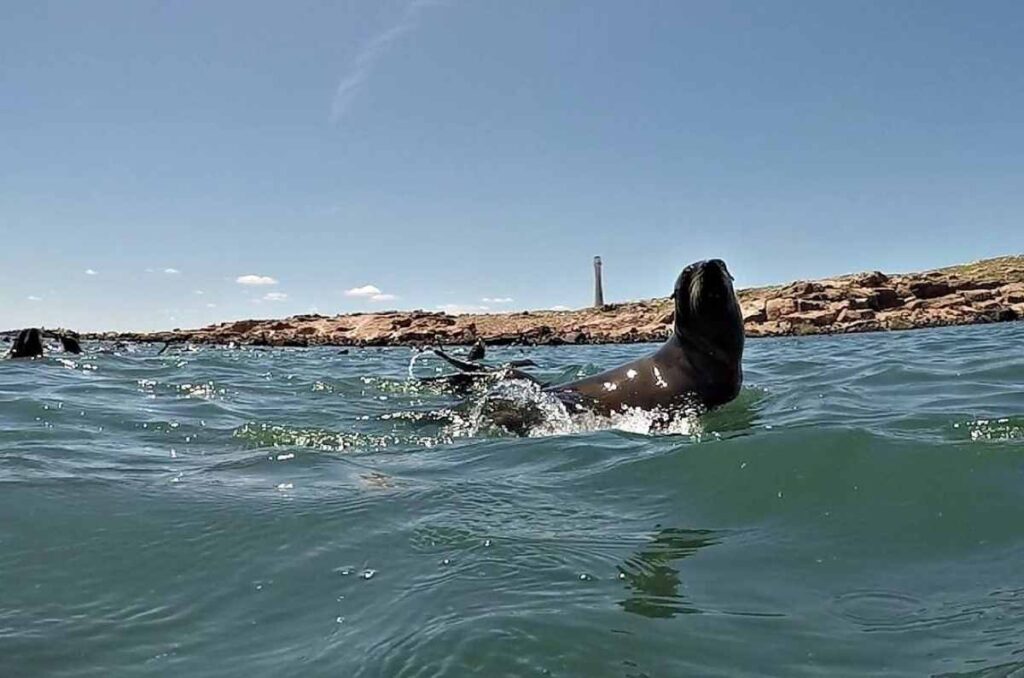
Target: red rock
[(848, 315), (873, 279), (948, 301), (897, 322), (776, 308), (991, 291), (930, 289), (815, 318), (803, 305), (977, 295), (243, 326), (1013, 293), (862, 326), (883, 298), (754, 313), (802, 288), (976, 284)]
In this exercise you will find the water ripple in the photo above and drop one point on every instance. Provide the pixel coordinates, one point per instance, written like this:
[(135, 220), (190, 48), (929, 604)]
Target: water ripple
[(251, 511)]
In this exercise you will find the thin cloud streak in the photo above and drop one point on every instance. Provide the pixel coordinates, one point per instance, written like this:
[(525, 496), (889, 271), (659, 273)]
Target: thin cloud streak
[(372, 50), (255, 280), (460, 309)]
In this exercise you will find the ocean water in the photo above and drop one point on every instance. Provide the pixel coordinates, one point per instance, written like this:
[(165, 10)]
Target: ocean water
[(859, 510)]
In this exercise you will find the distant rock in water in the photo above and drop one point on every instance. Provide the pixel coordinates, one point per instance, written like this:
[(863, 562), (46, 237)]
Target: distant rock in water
[(983, 292)]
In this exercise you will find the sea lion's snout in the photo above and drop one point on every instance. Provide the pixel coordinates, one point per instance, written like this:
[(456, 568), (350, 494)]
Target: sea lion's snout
[(706, 281), (720, 267), (704, 290)]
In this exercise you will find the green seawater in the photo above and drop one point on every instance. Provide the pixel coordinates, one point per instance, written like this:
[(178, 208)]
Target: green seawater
[(859, 510)]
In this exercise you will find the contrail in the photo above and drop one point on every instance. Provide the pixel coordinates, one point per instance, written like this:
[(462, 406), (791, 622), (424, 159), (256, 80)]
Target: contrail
[(373, 49)]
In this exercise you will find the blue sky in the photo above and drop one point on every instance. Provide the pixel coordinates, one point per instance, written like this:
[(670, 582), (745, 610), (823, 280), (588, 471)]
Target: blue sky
[(446, 152)]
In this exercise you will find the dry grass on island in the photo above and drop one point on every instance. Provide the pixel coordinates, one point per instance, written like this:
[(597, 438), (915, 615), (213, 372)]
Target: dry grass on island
[(983, 292)]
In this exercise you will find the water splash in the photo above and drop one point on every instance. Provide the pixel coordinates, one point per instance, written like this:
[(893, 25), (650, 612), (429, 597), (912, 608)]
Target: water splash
[(522, 407)]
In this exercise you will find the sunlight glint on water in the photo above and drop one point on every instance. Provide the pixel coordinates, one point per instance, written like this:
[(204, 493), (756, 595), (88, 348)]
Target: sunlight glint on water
[(239, 512)]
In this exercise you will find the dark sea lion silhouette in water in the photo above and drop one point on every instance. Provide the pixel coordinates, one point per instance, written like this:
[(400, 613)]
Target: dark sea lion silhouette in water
[(700, 364), (69, 343), (28, 344), (478, 350)]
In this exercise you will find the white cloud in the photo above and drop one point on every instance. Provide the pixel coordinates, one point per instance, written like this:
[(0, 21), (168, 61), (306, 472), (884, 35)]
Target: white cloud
[(370, 293), (497, 300), (89, 271), (255, 280), (275, 296), (171, 271), (211, 306), (370, 51), (459, 309), (33, 297), (200, 292), (364, 291), (560, 308)]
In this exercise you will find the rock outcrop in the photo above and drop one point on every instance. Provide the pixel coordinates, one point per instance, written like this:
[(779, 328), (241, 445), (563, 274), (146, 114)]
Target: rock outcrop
[(983, 292)]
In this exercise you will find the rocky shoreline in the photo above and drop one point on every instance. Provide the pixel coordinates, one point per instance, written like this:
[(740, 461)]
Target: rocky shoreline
[(983, 292)]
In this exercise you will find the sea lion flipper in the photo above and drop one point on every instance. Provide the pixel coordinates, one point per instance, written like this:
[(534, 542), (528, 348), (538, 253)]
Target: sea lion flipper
[(462, 365)]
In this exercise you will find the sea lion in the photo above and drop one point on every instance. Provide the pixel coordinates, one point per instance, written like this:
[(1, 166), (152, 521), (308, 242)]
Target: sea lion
[(28, 344), (478, 350), (700, 364), (696, 369), (70, 343)]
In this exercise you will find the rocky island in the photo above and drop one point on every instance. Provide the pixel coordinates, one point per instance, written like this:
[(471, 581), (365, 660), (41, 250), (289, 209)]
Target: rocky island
[(983, 292)]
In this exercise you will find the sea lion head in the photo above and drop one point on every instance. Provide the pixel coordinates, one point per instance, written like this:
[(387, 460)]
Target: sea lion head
[(708, 313)]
